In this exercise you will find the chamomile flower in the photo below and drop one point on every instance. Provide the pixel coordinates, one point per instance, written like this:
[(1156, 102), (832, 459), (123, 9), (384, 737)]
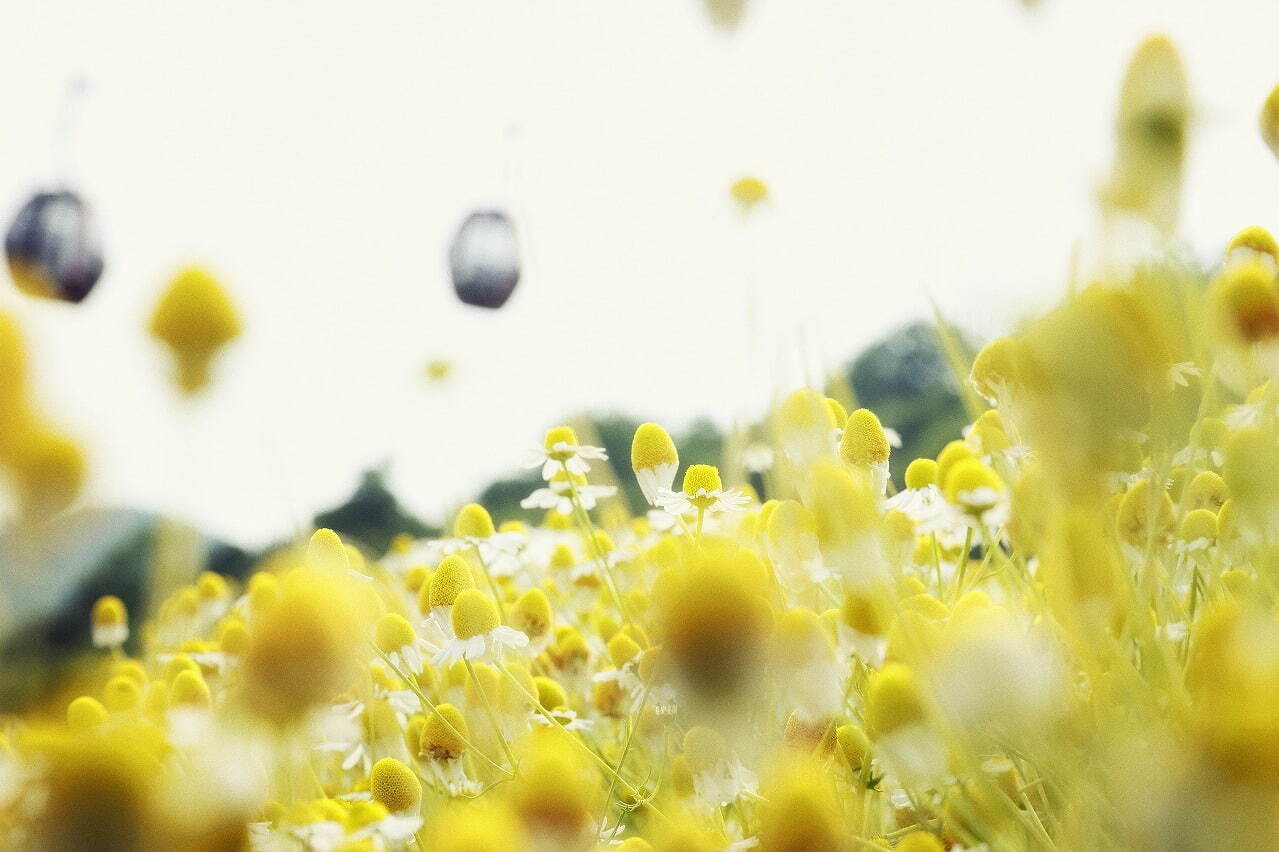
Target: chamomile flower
[(452, 576), (977, 491), (703, 492), (477, 631), (565, 717), (442, 745), (394, 785), (109, 622), (560, 490), (654, 460), (396, 638), (865, 445), (561, 451), (921, 496), (719, 776)]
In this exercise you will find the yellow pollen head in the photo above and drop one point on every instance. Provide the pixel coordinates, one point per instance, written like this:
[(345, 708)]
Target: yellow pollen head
[(394, 785), (108, 611), (622, 649), (264, 591), (393, 632), (555, 521), (560, 435), (604, 542), (358, 815), (121, 694), (1246, 302), (326, 552), (652, 446), (1145, 514), (562, 557), (921, 473), (195, 319), (995, 369), (1207, 491), (440, 743), (967, 480), (838, 414), (179, 663), (416, 577), (549, 693), (920, 841), (853, 745), (189, 690), (864, 614), (212, 586), (233, 637), (1269, 121), (452, 576), (864, 442), (131, 669), (85, 713), (951, 454), (1198, 523), (1257, 239), (473, 614), (804, 411), (532, 614), (748, 191), (893, 700), (473, 521), (701, 477)]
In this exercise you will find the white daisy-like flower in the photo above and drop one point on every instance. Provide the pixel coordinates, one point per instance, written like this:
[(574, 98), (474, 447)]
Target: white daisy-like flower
[(478, 631), (396, 638), (561, 451), (654, 460), (567, 718), (392, 829), (451, 775), (703, 491), (558, 494), (321, 836), (725, 781), (918, 504), (1193, 546), (109, 622)]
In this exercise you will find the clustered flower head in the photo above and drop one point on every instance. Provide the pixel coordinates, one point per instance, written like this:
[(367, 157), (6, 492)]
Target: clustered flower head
[(1057, 632)]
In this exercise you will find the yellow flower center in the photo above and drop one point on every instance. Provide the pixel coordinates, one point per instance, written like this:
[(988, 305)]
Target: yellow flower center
[(393, 632), (474, 614), (652, 446)]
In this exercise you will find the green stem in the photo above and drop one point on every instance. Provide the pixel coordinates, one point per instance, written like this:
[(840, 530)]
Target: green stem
[(603, 764), (488, 708), (429, 705)]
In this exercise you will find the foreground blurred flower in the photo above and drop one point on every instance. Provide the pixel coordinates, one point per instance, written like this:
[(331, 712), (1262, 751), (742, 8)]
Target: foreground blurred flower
[(195, 319)]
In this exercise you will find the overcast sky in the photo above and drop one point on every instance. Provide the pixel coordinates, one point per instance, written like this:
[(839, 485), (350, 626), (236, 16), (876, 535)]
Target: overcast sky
[(318, 157)]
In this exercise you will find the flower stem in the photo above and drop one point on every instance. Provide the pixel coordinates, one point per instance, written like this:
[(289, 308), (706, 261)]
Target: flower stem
[(429, 705), (488, 708)]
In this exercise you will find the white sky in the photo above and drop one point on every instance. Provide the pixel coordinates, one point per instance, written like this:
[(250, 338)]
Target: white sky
[(320, 155)]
